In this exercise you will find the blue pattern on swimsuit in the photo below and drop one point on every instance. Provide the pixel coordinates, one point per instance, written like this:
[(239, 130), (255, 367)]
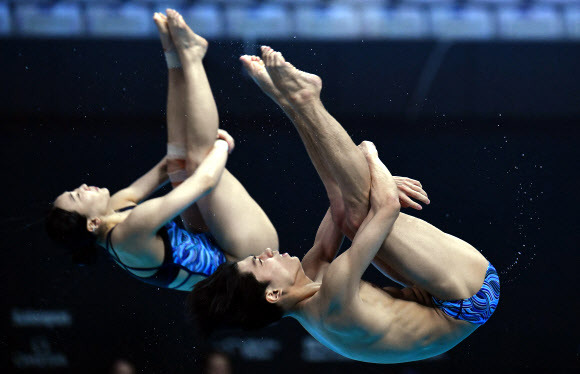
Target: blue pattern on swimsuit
[(197, 252), (478, 308)]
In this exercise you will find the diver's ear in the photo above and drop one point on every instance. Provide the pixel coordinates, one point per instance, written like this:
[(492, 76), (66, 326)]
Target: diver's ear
[(93, 224), (273, 295)]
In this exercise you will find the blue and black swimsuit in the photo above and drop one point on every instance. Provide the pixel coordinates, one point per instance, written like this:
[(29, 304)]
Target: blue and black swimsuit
[(197, 254)]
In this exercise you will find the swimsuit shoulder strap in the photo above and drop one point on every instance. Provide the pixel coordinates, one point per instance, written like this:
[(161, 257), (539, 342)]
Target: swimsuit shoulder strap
[(129, 207)]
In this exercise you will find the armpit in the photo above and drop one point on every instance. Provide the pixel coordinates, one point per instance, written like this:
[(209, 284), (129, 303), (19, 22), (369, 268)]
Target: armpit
[(315, 270)]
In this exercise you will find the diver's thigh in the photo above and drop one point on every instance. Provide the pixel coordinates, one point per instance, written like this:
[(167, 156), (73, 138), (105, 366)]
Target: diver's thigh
[(237, 222), (443, 265)]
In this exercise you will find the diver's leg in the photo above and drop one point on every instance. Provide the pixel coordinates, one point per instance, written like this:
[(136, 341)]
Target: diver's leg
[(199, 109), (236, 221), (176, 85), (337, 159), (415, 253), (176, 122), (255, 67), (424, 256)]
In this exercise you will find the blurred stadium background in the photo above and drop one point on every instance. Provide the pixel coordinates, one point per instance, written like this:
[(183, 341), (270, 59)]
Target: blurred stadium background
[(287, 19)]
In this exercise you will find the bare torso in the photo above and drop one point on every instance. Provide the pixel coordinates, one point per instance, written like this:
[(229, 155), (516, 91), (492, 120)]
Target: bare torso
[(375, 326)]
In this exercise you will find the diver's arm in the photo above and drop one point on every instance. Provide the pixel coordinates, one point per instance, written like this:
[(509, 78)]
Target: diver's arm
[(370, 236), (151, 215), (345, 272), (142, 187), (154, 179), (326, 244), (384, 210)]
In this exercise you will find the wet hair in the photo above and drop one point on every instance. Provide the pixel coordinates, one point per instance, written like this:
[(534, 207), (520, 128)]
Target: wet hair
[(229, 299), (69, 230)]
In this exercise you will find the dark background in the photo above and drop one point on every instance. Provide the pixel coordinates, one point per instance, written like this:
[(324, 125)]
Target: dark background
[(490, 129)]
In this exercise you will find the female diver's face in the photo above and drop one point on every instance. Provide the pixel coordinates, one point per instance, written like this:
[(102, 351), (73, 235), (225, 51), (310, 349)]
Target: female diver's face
[(88, 201)]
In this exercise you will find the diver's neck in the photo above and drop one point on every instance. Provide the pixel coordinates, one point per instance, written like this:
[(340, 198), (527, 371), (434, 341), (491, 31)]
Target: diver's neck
[(304, 294), (108, 223)]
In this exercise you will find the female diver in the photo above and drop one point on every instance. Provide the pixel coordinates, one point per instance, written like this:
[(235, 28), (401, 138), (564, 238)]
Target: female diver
[(222, 222)]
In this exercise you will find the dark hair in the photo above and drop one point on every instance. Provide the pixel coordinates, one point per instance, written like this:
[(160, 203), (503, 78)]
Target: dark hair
[(69, 229), (231, 299)]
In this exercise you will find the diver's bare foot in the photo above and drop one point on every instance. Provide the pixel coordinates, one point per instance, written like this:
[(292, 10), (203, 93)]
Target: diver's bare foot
[(296, 86), (186, 41), (163, 28), (257, 70)]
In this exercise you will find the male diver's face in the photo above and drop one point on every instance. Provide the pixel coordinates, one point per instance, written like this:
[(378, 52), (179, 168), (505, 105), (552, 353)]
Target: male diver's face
[(279, 270), (89, 201)]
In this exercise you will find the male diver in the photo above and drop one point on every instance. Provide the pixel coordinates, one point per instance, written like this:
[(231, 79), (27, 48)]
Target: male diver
[(450, 289)]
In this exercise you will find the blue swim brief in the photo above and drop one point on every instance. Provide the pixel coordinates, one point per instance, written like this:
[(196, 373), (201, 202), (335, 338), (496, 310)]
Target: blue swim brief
[(478, 308)]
